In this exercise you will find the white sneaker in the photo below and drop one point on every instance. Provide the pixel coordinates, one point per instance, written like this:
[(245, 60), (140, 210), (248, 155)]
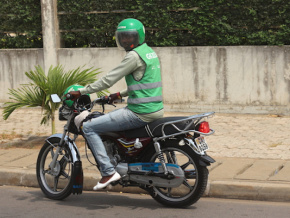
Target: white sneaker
[(116, 176)]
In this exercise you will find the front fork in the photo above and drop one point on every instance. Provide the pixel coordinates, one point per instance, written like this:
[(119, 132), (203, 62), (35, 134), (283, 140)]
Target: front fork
[(72, 147), (52, 164)]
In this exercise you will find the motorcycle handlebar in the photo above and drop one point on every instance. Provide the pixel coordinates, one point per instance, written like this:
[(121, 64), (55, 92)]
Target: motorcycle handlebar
[(102, 100)]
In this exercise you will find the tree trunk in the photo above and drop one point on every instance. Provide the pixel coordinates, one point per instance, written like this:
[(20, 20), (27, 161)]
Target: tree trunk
[(52, 123)]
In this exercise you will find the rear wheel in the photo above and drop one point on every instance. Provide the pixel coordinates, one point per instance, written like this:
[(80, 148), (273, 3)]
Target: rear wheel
[(195, 180), (55, 183)]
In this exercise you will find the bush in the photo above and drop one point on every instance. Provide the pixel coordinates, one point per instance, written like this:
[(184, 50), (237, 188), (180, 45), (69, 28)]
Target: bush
[(20, 24), (92, 23)]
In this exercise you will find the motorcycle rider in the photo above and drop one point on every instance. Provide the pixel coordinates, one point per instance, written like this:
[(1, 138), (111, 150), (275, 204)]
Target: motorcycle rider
[(141, 69)]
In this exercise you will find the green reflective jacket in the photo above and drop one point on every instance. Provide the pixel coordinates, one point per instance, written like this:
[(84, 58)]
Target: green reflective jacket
[(145, 95)]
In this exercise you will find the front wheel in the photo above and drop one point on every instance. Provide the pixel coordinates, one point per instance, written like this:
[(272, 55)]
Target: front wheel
[(195, 180), (55, 183)]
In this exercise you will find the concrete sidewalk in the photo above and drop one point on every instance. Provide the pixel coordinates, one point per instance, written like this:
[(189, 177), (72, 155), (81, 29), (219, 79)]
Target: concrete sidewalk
[(241, 178)]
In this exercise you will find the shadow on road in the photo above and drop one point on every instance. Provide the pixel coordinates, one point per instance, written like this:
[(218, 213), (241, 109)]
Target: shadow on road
[(104, 200)]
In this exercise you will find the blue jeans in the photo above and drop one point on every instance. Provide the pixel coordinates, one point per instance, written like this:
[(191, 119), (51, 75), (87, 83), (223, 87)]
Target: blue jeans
[(118, 120)]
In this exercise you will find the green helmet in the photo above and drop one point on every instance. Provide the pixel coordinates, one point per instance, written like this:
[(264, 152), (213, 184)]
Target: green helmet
[(75, 87), (130, 33)]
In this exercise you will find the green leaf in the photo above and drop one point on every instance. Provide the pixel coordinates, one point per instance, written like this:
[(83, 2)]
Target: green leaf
[(37, 93)]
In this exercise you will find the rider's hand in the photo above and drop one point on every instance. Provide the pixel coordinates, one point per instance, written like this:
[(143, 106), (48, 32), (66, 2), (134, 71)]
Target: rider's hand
[(114, 97), (73, 95)]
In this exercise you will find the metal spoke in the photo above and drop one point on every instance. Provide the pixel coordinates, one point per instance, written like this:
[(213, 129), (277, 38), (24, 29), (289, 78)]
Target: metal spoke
[(169, 192), (55, 183), (173, 156), (187, 185), (169, 159), (45, 171), (64, 174), (185, 165), (63, 162)]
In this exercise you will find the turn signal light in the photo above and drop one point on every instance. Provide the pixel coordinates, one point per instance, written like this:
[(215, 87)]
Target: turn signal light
[(204, 127)]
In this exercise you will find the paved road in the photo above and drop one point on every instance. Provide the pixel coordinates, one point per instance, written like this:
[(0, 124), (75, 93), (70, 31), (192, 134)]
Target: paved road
[(29, 202)]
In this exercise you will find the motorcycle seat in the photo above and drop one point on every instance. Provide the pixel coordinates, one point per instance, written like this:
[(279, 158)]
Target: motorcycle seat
[(154, 129)]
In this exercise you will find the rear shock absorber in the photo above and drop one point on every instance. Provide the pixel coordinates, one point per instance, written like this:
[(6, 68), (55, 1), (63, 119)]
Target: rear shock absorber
[(160, 157)]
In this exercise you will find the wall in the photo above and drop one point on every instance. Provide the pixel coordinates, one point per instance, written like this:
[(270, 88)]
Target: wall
[(13, 64), (242, 79)]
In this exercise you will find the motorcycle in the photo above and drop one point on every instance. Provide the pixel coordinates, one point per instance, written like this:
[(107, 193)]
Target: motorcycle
[(167, 157)]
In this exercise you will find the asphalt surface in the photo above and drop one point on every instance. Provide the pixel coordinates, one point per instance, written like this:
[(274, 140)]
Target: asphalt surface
[(252, 154), (22, 202)]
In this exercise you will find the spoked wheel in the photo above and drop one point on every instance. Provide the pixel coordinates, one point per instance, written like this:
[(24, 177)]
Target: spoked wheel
[(195, 180), (56, 183)]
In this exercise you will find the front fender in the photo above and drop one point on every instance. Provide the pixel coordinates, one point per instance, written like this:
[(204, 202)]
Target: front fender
[(71, 144)]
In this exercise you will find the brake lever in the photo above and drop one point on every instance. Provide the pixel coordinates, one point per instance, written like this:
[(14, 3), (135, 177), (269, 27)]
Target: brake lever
[(109, 99), (103, 106), (112, 105)]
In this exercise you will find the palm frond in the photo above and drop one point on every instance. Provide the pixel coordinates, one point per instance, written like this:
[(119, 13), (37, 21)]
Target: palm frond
[(25, 96), (41, 86), (38, 78), (80, 76)]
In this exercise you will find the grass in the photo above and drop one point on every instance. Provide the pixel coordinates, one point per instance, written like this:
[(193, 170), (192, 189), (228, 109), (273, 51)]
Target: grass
[(33, 141), (9, 136), (16, 140)]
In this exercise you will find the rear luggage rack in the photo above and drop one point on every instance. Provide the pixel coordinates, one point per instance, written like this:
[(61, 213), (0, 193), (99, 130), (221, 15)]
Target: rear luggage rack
[(192, 120)]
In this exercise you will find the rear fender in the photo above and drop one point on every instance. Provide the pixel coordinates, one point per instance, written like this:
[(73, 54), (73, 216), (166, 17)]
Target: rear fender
[(71, 144), (204, 159)]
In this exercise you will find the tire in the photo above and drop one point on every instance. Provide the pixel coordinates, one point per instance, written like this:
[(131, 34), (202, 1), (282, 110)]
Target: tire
[(195, 180), (55, 184)]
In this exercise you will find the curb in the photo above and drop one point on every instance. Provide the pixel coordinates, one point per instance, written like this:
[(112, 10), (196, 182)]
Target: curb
[(249, 190), (16, 177), (245, 190)]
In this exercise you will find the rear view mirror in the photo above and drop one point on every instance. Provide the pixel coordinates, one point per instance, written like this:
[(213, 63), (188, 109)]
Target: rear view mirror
[(55, 98)]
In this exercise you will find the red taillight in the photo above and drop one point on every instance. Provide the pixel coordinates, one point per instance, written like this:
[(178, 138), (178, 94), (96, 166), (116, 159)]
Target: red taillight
[(204, 127)]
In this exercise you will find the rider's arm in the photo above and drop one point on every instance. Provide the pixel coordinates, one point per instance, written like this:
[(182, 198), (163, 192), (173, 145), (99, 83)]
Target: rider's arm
[(124, 93), (130, 64)]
